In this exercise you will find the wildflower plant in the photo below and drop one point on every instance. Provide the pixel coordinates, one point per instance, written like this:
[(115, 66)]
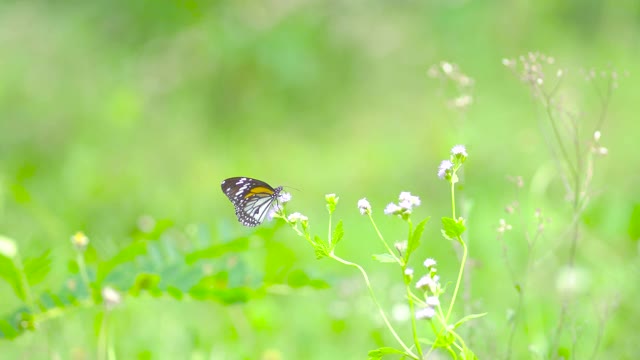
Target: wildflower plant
[(431, 304), (574, 139)]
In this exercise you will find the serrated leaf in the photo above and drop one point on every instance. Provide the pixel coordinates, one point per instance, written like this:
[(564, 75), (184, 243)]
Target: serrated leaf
[(414, 241), (384, 258), (215, 251), (338, 233), (452, 229), (320, 248), (379, 353)]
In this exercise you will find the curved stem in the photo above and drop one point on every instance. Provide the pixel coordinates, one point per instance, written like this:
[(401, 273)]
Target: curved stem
[(375, 301), (382, 239)]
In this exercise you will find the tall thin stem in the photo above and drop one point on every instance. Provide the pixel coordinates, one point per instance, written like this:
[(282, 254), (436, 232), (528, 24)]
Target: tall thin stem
[(375, 300)]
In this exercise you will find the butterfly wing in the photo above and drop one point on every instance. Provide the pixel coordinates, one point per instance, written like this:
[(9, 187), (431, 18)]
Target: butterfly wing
[(251, 198)]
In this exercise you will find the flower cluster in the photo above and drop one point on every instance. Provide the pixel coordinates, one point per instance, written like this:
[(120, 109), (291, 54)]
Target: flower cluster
[(364, 206), (530, 68), (430, 284), (404, 206), (448, 168), (276, 209)]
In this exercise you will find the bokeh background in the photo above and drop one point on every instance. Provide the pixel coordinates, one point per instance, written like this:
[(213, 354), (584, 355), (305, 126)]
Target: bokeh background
[(110, 111)]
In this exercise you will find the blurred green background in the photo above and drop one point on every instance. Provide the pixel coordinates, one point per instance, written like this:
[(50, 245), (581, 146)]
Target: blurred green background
[(114, 110)]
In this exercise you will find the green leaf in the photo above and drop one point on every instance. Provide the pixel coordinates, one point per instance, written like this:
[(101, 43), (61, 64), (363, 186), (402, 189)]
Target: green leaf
[(319, 284), (384, 258), (235, 245), (338, 233), (444, 340), (634, 223), (467, 318), (452, 229), (144, 282), (36, 269), (126, 255), (379, 353), (414, 241), (10, 274), (298, 278), (320, 248), (7, 331), (467, 354)]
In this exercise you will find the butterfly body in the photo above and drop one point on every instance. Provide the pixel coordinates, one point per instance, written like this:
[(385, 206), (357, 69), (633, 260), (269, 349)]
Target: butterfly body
[(252, 198)]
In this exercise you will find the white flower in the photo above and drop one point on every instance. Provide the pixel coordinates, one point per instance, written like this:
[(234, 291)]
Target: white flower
[(408, 271), (392, 209), (462, 101), (401, 246), (425, 313), (433, 301), (284, 197), (596, 136), (407, 201), (445, 166), (459, 150), (110, 297), (273, 211), (364, 206), (423, 282), (80, 240), (504, 226), (447, 68), (429, 263), (296, 217)]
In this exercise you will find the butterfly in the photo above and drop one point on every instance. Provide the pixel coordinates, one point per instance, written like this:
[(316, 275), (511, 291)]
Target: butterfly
[(252, 198)]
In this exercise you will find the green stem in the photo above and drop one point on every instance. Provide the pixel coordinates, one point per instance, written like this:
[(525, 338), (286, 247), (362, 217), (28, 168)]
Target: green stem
[(455, 291), (103, 337), (414, 328), (453, 200), (24, 283), (375, 301), (382, 239), (329, 231), (83, 271)]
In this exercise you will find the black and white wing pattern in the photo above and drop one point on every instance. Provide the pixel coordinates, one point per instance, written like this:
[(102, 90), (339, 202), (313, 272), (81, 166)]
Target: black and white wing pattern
[(252, 198)]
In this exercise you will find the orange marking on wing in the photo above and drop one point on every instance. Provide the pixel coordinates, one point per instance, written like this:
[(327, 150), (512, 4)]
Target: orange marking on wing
[(258, 190)]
